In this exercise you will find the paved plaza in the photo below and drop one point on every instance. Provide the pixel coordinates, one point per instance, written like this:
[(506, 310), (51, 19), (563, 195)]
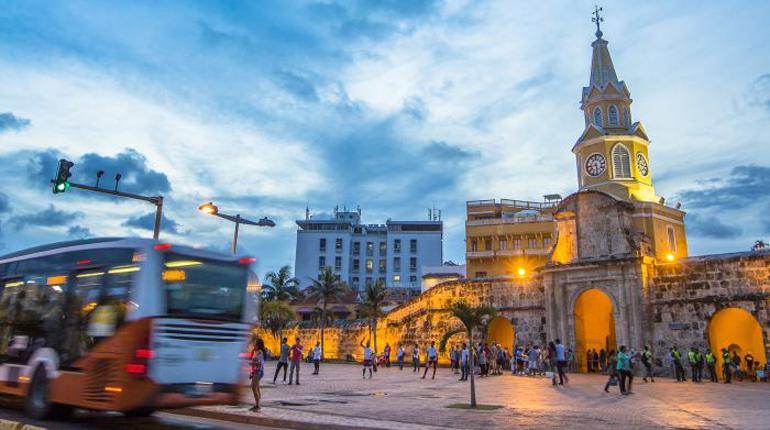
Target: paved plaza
[(399, 399)]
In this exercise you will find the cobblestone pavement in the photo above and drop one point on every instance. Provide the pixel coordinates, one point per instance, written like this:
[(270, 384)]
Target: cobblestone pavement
[(399, 399)]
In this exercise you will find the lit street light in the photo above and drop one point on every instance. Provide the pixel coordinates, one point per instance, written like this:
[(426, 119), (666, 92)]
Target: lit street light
[(212, 209)]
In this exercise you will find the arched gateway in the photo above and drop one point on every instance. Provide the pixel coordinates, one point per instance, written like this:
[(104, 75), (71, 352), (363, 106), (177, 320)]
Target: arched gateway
[(594, 325), (738, 331), (501, 331)]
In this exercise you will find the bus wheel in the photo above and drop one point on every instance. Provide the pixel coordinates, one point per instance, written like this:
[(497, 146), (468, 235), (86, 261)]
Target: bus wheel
[(139, 412), (37, 404)]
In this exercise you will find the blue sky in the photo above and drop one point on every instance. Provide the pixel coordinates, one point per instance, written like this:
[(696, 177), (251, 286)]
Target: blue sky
[(264, 107)]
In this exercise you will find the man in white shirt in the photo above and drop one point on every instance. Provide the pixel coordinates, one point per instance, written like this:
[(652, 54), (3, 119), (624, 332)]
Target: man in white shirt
[(368, 358), (464, 363), (432, 359), (561, 362), (317, 358)]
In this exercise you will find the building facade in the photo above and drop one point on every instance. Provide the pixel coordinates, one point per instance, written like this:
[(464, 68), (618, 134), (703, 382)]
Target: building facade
[(394, 252)]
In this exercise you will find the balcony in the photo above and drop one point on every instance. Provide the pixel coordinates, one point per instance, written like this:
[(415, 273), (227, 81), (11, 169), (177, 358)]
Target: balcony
[(480, 254), (512, 220), (508, 253)]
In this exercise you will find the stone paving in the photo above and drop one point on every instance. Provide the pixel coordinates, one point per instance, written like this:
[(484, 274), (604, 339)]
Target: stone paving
[(399, 399)]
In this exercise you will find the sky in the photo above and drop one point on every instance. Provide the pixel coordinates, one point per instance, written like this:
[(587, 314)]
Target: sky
[(395, 106)]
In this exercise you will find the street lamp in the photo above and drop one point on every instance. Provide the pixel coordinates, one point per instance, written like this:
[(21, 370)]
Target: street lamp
[(212, 209)]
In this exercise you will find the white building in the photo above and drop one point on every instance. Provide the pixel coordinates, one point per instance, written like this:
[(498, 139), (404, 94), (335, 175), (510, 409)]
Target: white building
[(394, 252), (434, 275)]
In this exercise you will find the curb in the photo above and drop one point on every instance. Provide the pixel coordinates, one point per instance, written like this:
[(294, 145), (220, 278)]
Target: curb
[(267, 421)]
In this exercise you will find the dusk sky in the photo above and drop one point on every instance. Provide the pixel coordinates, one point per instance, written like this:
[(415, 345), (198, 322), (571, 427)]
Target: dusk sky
[(266, 107)]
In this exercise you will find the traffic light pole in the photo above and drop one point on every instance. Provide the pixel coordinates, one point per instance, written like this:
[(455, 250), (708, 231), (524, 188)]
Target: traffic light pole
[(156, 200)]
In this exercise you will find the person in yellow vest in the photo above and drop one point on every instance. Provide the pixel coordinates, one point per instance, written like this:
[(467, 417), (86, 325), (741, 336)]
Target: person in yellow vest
[(711, 365), (676, 356), (726, 366)]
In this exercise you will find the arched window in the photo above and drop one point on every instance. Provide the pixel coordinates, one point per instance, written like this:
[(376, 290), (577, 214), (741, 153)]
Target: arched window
[(612, 115), (671, 239), (627, 118), (621, 161), (598, 117)]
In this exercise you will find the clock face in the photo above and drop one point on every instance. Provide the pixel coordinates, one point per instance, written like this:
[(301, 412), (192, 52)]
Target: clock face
[(595, 165), (641, 164)]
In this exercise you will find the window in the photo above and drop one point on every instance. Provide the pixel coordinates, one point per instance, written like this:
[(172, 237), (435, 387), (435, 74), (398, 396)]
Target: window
[(368, 281), (383, 248), (474, 245), (337, 264), (338, 245), (487, 244), (598, 117), (547, 242), (621, 161), (396, 264), (369, 248), (369, 265), (532, 243), (382, 266), (412, 245), (413, 280), (397, 245), (503, 243), (396, 278), (516, 243), (671, 239), (321, 262), (612, 114), (412, 264), (356, 265), (322, 245), (481, 274), (354, 282), (627, 118), (356, 248)]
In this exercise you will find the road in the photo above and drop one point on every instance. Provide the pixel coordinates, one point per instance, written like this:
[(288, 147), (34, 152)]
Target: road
[(11, 409)]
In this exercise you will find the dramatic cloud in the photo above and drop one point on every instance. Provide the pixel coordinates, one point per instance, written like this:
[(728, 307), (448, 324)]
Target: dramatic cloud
[(50, 217), (147, 222), (744, 186), (11, 122), (79, 232), (711, 226)]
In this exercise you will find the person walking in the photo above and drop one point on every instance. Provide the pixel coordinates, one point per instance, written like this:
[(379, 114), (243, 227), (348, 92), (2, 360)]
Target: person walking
[(464, 367), (432, 360), (561, 362), (711, 365), (612, 371), (400, 356), (552, 361), (386, 353), (295, 354), (726, 366), (316, 358), (415, 358), (534, 360), (647, 362), (283, 360), (676, 356), (368, 359), (624, 369), (482, 360), (257, 371), (749, 359)]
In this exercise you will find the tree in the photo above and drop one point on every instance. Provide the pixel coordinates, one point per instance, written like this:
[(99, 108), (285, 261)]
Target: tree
[(371, 307), (280, 285), (326, 288), (759, 245), (471, 317), (275, 315)]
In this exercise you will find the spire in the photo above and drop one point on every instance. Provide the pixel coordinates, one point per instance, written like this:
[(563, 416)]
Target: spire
[(602, 70)]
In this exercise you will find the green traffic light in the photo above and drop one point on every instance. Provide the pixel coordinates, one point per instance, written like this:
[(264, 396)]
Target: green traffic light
[(62, 186)]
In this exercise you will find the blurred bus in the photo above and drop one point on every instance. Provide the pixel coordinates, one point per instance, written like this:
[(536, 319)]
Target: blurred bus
[(128, 325)]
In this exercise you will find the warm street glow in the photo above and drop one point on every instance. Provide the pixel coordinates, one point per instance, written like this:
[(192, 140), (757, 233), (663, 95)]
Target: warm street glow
[(521, 271), (208, 208), (670, 257)]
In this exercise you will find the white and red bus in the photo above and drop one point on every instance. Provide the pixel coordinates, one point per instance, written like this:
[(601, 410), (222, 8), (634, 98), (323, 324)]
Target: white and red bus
[(128, 325)]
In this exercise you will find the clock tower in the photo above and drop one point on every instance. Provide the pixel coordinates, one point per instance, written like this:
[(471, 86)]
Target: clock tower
[(611, 153)]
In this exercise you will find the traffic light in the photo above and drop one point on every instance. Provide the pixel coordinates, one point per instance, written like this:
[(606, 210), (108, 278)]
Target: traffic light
[(62, 182)]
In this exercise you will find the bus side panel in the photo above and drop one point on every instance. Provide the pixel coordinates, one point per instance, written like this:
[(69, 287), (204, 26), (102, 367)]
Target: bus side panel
[(13, 380)]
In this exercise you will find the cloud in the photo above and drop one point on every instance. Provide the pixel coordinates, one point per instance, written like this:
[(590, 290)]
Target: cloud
[(5, 205), (79, 232), (296, 85), (147, 222), (760, 92), (744, 186), (711, 226), (11, 122), (49, 217)]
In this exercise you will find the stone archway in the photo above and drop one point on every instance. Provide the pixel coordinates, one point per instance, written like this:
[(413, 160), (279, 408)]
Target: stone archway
[(737, 330), (594, 325), (500, 330)]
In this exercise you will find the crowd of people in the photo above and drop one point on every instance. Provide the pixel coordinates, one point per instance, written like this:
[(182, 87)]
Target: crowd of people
[(552, 360)]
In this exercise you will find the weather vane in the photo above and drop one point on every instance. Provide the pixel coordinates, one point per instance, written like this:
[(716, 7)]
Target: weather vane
[(598, 20)]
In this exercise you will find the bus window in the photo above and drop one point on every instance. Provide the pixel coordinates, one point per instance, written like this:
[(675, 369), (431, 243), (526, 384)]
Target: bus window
[(204, 288)]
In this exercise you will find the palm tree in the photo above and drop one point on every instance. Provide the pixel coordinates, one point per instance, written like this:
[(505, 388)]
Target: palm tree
[(759, 245), (328, 287), (471, 317), (280, 285), (275, 316), (371, 307)]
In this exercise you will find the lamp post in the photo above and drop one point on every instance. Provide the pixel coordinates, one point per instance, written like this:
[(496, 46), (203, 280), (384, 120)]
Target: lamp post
[(212, 209)]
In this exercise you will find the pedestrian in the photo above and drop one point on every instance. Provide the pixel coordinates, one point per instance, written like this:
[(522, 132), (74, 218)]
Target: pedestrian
[(482, 359), (400, 356), (295, 355), (624, 369), (676, 357), (368, 359), (711, 365), (691, 359), (595, 357), (603, 361), (647, 362), (561, 362), (317, 358), (415, 358), (464, 365), (257, 371), (737, 366), (283, 360), (552, 361), (432, 360), (612, 371), (726, 366), (749, 359), (534, 360), (699, 363), (386, 353)]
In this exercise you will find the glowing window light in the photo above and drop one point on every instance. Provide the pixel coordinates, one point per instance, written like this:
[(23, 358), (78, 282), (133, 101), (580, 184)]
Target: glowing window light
[(56, 280), (123, 269), (182, 263), (173, 275)]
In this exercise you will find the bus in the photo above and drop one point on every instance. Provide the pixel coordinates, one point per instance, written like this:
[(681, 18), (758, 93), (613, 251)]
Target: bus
[(122, 324)]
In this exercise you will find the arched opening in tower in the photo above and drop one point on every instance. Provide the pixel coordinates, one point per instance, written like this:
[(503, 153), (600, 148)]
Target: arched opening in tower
[(594, 326), (738, 331), (500, 330)]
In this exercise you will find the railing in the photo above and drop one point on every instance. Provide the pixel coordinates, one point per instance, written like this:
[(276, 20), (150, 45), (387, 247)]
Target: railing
[(512, 220), (519, 204), (508, 252)]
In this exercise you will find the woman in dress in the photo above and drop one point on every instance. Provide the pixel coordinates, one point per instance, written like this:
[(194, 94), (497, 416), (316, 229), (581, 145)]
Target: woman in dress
[(257, 371)]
